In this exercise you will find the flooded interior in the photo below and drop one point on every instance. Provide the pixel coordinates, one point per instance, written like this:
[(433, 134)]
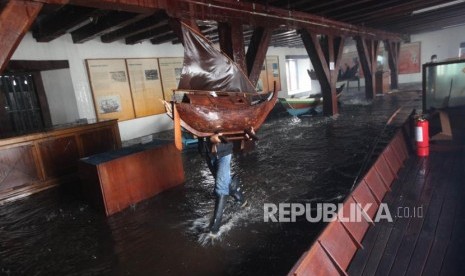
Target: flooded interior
[(308, 159)]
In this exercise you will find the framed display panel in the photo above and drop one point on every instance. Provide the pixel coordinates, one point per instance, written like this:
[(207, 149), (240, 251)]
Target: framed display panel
[(272, 69), (170, 70), (146, 88), (110, 88), (410, 58), (350, 59)]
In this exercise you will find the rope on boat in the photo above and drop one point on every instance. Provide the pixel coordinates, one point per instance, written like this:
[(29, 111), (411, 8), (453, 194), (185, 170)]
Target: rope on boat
[(368, 157)]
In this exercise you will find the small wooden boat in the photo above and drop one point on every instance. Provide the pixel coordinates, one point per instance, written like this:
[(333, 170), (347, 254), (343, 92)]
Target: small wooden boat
[(214, 95), (299, 106)]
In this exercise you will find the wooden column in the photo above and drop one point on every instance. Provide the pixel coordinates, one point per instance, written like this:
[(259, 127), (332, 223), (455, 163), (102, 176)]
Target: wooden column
[(42, 99), (325, 53), (393, 49), (367, 51), (256, 53), (232, 42), (177, 128), (15, 20)]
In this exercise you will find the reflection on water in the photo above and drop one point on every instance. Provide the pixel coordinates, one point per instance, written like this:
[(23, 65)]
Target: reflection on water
[(309, 159)]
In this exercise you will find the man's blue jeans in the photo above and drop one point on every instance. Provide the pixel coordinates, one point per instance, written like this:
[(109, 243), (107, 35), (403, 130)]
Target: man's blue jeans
[(222, 167)]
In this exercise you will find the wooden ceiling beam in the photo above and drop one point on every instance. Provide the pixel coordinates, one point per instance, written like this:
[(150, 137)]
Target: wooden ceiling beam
[(379, 7), (259, 15), (156, 20), (386, 11), (58, 23), (105, 24), (287, 40), (164, 38), (206, 31), (15, 18), (292, 33), (298, 5), (330, 12), (433, 18), (136, 6), (322, 5), (152, 33), (247, 35)]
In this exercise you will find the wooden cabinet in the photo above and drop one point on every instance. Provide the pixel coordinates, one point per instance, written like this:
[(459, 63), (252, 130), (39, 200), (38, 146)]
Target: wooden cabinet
[(114, 180), (382, 82), (34, 162)]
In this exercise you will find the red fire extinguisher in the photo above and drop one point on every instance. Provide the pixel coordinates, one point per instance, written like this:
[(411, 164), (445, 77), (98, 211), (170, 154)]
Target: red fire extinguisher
[(421, 137)]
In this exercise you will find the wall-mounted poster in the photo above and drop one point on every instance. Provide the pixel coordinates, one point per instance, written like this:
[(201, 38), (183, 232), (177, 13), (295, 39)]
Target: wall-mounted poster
[(272, 69), (350, 60), (110, 87), (409, 58), (147, 93), (170, 70)]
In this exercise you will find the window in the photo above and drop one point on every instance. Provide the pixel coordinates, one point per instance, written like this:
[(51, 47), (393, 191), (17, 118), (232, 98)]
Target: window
[(20, 104), (298, 80)]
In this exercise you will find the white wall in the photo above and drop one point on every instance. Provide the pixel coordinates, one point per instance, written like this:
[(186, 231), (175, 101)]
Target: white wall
[(59, 90), (64, 49), (444, 43)]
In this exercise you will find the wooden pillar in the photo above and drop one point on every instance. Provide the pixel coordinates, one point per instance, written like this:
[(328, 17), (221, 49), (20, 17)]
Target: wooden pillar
[(256, 53), (326, 58), (231, 40), (367, 52), (393, 49), (15, 20), (177, 128), (42, 98)]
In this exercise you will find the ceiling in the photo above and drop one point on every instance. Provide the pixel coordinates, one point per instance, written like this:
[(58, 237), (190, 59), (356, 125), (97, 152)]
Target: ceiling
[(398, 16)]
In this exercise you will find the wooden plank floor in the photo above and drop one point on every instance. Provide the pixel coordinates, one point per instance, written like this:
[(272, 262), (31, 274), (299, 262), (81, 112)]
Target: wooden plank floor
[(432, 242)]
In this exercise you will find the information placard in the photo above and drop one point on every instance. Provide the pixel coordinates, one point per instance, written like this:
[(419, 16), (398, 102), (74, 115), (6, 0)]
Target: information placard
[(110, 87), (145, 81)]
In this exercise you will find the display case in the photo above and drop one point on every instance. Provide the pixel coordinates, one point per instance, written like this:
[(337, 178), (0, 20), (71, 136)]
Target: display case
[(444, 100), (444, 85)]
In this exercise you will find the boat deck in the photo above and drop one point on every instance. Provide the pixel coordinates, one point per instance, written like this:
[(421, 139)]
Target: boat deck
[(432, 244)]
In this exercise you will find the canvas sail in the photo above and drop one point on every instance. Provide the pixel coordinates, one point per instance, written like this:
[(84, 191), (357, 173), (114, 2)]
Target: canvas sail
[(208, 69)]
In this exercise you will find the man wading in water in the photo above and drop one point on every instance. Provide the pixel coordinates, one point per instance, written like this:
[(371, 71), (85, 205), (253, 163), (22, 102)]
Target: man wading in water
[(218, 152)]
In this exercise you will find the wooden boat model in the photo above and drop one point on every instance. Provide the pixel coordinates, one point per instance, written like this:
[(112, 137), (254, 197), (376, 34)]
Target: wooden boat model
[(214, 95), (299, 106)]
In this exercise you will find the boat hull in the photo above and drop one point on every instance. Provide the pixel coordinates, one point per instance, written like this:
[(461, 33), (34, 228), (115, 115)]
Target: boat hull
[(228, 116), (297, 107)]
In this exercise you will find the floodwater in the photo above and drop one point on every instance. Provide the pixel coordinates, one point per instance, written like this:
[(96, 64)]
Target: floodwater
[(306, 160)]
